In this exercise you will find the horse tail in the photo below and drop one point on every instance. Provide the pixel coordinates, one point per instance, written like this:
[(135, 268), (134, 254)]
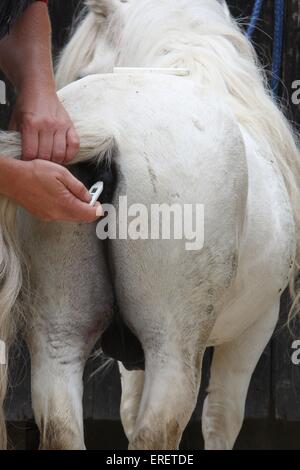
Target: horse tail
[(94, 143), (10, 285), (10, 278)]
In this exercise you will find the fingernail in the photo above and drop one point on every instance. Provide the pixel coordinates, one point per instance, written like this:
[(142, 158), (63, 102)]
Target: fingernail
[(99, 211)]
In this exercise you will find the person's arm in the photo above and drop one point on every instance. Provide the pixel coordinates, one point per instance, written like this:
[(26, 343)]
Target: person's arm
[(25, 57), (47, 190)]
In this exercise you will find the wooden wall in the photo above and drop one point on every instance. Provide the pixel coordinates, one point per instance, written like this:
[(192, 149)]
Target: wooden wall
[(275, 387)]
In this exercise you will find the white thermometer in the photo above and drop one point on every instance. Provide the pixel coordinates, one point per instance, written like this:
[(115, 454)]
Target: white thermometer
[(181, 72), (95, 192)]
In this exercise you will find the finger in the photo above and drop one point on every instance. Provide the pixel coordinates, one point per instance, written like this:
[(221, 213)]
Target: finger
[(45, 145), (84, 212), (59, 147), (76, 187), (30, 144), (99, 209), (73, 145)]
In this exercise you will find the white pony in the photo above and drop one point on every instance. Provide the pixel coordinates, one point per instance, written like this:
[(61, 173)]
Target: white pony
[(216, 138)]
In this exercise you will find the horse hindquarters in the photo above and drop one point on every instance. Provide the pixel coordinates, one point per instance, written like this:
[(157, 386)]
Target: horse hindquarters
[(170, 296), (70, 307), (247, 322), (173, 322)]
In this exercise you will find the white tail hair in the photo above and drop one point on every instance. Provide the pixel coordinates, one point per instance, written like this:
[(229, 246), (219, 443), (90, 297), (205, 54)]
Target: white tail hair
[(10, 285), (96, 143)]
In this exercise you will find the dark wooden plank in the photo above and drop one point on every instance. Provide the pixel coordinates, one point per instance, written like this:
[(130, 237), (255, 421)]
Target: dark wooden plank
[(291, 59), (204, 384), (259, 395), (107, 394), (18, 402), (286, 375), (88, 395), (17, 436), (102, 390)]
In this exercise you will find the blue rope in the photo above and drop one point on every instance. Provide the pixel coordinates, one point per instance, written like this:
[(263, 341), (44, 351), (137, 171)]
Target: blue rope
[(254, 17), (279, 11)]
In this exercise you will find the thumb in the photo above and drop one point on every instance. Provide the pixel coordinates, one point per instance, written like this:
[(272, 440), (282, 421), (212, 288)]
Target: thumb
[(84, 212)]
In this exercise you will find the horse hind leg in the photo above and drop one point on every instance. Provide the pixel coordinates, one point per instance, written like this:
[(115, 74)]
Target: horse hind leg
[(132, 388), (173, 361), (169, 397), (72, 306), (57, 395), (232, 367), (173, 319)]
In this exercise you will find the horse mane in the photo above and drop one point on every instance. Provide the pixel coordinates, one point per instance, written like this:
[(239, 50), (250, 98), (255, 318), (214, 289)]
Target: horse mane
[(203, 37)]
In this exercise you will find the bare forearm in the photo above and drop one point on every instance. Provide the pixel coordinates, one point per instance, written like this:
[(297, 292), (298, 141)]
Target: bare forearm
[(25, 53), (25, 56), (47, 190)]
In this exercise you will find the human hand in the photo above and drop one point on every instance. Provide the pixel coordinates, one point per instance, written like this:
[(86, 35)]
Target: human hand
[(48, 191), (46, 128)]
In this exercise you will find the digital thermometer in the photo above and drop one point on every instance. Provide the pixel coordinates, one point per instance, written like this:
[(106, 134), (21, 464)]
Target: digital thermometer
[(181, 72), (95, 192)]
